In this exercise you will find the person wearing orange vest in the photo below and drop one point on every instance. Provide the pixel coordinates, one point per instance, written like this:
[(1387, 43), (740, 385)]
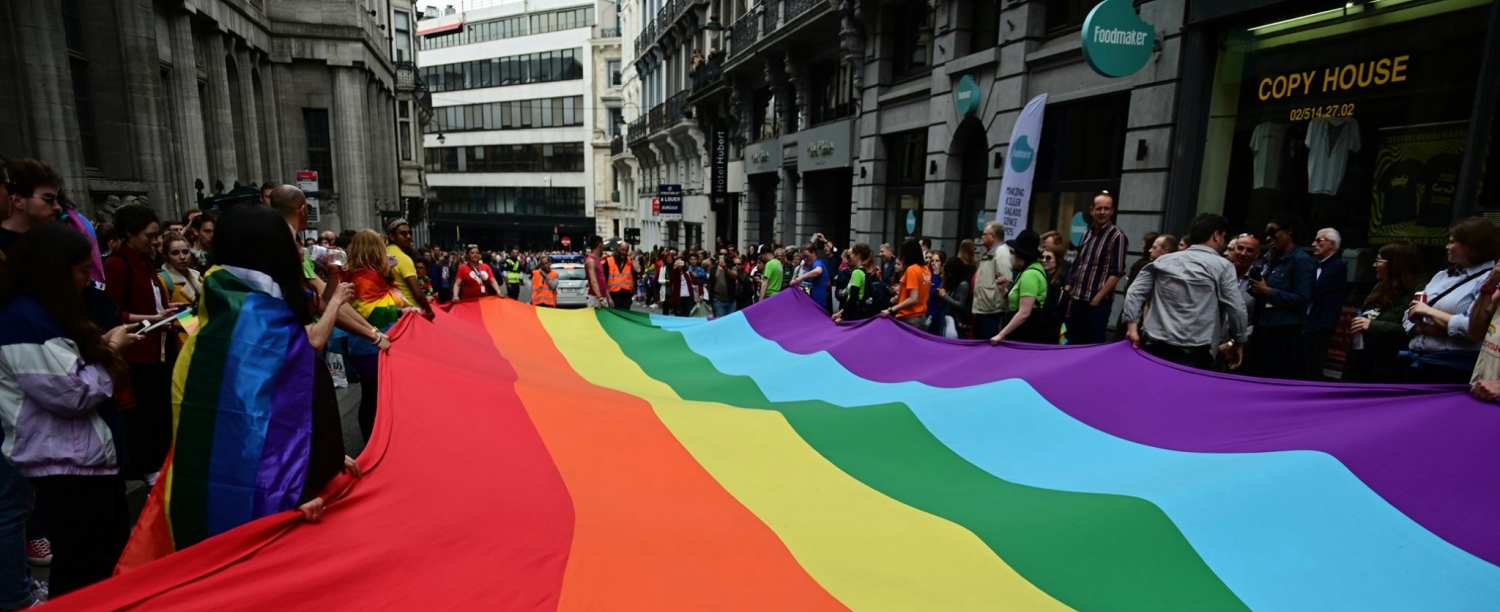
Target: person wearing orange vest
[(621, 277), (544, 292)]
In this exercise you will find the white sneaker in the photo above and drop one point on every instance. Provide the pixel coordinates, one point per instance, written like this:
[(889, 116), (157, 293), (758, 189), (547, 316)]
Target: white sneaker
[(39, 591)]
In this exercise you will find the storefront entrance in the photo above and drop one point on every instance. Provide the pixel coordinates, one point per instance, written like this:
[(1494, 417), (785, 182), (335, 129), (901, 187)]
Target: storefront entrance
[(1355, 119)]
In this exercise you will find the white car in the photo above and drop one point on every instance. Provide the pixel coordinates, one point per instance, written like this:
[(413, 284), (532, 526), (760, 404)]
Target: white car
[(572, 285)]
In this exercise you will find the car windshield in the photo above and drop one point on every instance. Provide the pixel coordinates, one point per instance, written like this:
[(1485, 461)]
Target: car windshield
[(571, 273)]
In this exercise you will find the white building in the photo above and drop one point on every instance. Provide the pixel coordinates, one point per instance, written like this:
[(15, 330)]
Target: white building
[(510, 150), (610, 213)]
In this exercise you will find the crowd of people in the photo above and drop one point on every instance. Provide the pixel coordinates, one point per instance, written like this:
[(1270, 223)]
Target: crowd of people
[(94, 322)]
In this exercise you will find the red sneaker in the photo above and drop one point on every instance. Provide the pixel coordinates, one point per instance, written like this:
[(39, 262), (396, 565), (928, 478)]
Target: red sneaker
[(39, 551)]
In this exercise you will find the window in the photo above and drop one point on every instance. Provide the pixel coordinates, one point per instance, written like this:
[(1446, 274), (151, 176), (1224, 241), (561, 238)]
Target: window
[(319, 146), (1066, 14), (556, 201), (558, 157), (767, 119), (402, 27), (561, 65), (83, 90), (616, 122), (984, 21), (833, 91), (613, 68), (911, 24)]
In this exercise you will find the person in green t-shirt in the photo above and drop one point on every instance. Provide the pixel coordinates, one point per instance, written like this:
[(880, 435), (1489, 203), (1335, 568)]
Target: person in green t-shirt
[(1029, 293), (864, 272), (770, 282)]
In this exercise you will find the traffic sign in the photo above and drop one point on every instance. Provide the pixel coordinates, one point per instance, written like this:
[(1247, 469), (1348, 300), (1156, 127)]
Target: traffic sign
[(567, 242)]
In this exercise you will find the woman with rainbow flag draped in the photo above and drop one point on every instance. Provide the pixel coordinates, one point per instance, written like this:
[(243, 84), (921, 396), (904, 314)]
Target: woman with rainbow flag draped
[(378, 301), (255, 420)]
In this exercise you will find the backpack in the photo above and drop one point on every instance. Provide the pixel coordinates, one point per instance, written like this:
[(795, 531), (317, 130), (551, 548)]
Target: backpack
[(876, 297)]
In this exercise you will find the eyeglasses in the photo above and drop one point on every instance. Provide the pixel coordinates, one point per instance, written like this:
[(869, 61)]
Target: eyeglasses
[(1321, 239), (1379, 261), (50, 198)]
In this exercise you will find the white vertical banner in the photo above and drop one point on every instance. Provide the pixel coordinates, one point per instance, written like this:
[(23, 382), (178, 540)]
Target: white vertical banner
[(1014, 208)]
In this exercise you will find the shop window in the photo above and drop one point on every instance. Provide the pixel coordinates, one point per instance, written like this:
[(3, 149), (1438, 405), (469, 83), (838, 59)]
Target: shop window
[(1355, 119), (1082, 154), (906, 173), (910, 24), (1068, 14)]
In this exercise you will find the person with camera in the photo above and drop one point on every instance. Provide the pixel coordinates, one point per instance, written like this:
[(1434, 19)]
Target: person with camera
[(723, 284), (815, 273), (1283, 290)]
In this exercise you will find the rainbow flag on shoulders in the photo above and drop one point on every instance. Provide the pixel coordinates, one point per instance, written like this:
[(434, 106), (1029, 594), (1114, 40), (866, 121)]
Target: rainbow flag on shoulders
[(241, 418)]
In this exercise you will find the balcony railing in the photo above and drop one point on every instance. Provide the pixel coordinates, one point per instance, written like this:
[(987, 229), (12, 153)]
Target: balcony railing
[(665, 17), (606, 32), (406, 76), (616, 145), (764, 19)]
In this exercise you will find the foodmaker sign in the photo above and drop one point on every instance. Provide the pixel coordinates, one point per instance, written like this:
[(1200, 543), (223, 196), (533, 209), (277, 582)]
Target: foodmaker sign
[(1116, 42)]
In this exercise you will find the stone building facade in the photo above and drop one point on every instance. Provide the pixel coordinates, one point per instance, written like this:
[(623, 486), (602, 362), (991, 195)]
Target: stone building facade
[(149, 99), (876, 121)]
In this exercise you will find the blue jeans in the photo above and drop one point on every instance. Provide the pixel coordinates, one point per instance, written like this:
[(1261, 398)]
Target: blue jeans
[(15, 505), (1088, 324), (723, 308)]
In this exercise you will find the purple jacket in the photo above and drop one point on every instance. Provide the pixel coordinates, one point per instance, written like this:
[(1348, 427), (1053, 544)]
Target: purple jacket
[(48, 399)]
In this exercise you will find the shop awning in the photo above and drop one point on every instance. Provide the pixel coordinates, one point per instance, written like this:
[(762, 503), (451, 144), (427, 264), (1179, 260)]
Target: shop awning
[(441, 28)]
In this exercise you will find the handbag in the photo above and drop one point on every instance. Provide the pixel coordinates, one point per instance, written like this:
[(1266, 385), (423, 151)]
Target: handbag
[(701, 309)]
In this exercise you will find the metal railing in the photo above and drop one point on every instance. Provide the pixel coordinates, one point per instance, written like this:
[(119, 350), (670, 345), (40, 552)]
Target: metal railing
[(606, 32), (744, 32), (406, 75), (707, 74), (616, 145), (795, 8), (770, 19), (764, 19)]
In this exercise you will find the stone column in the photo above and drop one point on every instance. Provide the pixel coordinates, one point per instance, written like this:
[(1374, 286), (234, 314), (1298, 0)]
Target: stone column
[(48, 82), (351, 149), (222, 163), (137, 27), (191, 136), (278, 172), (246, 63)]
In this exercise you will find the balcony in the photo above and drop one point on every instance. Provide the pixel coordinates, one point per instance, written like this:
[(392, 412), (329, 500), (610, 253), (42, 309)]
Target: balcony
[(606, 32), (406, 76), (765, 19), (616, 145), (668, 15), (660, 117)]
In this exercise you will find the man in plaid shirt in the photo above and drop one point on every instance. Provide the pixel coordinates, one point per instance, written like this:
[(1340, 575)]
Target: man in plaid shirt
[(1091, 281)]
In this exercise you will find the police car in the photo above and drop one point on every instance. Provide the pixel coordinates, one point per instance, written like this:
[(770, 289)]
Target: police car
[(572, 281)]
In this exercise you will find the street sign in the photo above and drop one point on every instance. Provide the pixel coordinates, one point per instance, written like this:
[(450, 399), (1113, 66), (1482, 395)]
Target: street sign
[(911, 222), (670, 197), (567, 242), (307, 181)]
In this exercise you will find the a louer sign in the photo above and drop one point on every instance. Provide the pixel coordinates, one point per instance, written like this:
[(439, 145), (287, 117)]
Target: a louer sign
[(1116, 42)]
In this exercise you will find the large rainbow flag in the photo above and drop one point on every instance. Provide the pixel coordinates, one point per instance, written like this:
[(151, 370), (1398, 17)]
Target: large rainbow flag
[(536, 459)]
